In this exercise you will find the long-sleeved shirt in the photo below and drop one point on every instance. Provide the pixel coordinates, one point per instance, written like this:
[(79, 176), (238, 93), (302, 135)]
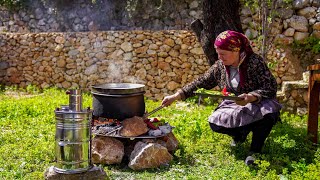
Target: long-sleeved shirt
[(258, 80)]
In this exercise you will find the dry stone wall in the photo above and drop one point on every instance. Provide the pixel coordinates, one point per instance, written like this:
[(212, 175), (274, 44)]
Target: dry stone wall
[(162, 60), (103, 15)]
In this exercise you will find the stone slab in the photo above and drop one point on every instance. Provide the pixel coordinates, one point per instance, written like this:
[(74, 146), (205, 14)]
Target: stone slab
[(95, 173)]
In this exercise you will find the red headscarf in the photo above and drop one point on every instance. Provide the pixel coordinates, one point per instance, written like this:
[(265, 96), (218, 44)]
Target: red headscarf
[(235, 41)]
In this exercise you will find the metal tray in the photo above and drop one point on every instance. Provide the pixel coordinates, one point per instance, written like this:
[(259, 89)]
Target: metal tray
[(133, 137), (235, 98), (115, 133)]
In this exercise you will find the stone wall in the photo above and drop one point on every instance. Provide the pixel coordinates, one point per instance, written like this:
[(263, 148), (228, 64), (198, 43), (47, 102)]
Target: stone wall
[(104, 15), (162, 60)]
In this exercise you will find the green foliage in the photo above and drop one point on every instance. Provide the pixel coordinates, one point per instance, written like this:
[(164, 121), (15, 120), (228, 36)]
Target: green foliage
[(13, 4), (311, 44), (27, 143)]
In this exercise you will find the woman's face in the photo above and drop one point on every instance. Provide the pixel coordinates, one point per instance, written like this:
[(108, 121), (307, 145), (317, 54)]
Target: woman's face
[(229, 58)]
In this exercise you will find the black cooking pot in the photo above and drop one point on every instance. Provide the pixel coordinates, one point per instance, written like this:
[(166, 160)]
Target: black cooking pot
[(118, 100)]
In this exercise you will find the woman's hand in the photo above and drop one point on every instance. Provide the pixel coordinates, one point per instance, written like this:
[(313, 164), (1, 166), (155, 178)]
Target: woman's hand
[(168, 100), (247, 98)]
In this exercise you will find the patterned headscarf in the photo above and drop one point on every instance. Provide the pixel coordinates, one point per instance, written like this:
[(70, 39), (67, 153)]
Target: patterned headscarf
[(238, 42), (233, 41)]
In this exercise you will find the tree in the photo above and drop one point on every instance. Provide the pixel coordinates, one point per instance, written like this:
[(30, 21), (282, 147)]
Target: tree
[(218, 16)]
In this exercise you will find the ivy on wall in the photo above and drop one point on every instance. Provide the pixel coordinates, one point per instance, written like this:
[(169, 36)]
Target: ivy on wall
[(13, 4)]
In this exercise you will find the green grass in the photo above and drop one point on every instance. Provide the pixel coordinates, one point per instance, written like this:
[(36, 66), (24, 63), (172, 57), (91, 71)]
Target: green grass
[(27, 143)]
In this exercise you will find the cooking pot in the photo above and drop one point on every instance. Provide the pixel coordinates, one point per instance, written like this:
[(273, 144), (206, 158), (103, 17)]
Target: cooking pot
[(118, 100)]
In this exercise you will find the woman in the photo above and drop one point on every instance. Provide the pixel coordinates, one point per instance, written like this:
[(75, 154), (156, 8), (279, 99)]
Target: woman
[(245, 74)]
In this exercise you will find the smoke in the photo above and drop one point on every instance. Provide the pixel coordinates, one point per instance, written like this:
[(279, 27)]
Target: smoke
[(121, 72)]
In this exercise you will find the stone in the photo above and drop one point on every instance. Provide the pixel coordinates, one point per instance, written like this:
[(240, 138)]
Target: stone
[(127, 56), (4, 65), (169, 42), (316, 34), (145, 156), (171, 142), (299, 23), (12, 71), (151, 52), (134, 126), (73, 52), (101, 55), (141, 74), (126, 47), (174, 53), (153, 47), (58, 48), (164, 66), (299, 4), (91, 70), (302, 111), (282, 39), (141, 50), (116, 54), (85, 41), (316, 26), (300, 36), (193, 5), (172, 85), (66, 84), (92, 26), (107, 150), (316, 3), (163, 54), (285, 13), (186, 65), (197, 51), (289, 32), (308, 12), (294, 93), (60, 40), (94, 173)]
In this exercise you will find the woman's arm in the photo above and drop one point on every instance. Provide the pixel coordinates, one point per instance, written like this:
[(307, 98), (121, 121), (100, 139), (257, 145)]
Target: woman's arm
[(208, 80)]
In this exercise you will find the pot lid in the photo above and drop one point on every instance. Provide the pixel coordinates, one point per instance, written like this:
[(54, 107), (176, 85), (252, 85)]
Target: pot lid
[(118, 88)]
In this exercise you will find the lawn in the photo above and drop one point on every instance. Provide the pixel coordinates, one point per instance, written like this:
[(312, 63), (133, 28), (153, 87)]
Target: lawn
[(28, 128)]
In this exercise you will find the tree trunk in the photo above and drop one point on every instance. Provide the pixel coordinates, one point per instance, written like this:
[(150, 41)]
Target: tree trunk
[(218, 16)]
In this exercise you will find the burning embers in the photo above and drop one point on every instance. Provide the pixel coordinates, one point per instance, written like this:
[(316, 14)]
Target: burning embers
[(131, 127), (144, 142)]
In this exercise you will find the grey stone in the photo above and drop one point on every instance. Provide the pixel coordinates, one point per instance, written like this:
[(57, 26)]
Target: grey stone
[(285, 13), (38, 13), (299, 4), (4, 65), (91, 70), (316, 3), (308, 12), (300, 23)]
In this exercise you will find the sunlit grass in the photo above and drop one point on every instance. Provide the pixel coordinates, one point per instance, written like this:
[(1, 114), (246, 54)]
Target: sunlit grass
[(27, 143)]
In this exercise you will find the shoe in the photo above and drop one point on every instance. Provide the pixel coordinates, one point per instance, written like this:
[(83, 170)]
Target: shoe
[(249, 160)]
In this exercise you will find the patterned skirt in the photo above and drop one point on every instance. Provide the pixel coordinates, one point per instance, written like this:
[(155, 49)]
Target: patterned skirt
[(230, 115)]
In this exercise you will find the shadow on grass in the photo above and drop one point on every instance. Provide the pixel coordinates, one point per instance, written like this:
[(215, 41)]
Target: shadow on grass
[(287, 147)]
